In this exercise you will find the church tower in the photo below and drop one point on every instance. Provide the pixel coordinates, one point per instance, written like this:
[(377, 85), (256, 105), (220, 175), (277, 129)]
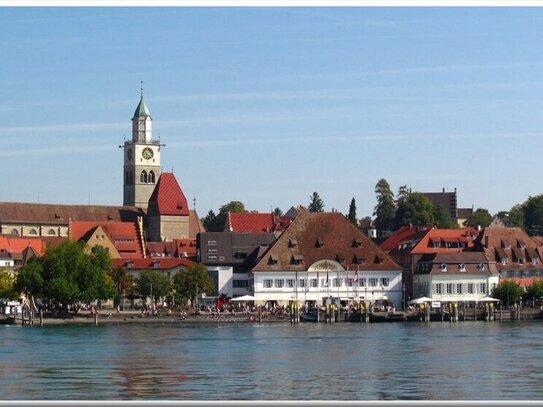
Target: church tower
[(141, 159)]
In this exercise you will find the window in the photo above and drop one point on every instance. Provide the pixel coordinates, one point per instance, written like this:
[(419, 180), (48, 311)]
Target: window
[(314, 282), (272, 260), (349, 282), (212, 243), (462, 267), (443, 267), (212, 258), (297, 259), (362, 282), (279, 283), (470, 288), (290, 282), (373, 282), (143, 177), (14, 232), (385, 281), (324, 282), (438, 288), (240, 283), (151, 177), (211, 251), (33, 232), (268, 283), (449, 288), (338, 282), (482, 288), (458, 288), (302, 282)]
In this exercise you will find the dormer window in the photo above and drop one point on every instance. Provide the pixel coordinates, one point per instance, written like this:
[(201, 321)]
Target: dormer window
[(357, 243), (378, 260), (297, 259), (462, 267), (340, 258), (521, 244), (129, 264), (505, 244), (292, 243), (481, 267), (443, 267), (272, 261), (358, 259), (319, 242), (156, 264)]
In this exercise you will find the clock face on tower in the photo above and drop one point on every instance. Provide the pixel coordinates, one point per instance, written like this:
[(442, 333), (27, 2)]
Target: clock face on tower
[(147, 153)]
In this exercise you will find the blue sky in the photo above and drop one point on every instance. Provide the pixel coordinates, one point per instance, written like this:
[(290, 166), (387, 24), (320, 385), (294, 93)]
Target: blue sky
[(266, 105)]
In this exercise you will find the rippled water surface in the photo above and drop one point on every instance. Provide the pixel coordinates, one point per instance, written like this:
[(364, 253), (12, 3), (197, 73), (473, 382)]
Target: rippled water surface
[(387, 361)]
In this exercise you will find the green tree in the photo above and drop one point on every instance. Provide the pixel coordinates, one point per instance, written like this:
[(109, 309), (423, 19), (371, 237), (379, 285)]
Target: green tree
[(533, 215), (217, 223), (278, 212), (534, 291), (508, 292), (385, 209), (442, 219), (7, 285), (416, 210), (316, 204), (67, 273), (153, 284), (123, 283), (210, 222), (481, 217), (30, 279), (352, 212), (189, 284), (516, 216)]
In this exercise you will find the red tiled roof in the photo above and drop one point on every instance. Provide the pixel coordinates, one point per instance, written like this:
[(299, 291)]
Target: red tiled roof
[(17, 244), (152, 264), (465, 235), (253, 222), (167, 197), (176, 248), (402, 234), (124, 235), (340, 241)]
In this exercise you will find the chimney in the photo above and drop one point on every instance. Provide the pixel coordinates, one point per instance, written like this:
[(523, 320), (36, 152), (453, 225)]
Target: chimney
[(443, 190)]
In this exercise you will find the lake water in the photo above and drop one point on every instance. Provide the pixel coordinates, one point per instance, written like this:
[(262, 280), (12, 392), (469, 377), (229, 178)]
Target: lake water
[(344, 361)]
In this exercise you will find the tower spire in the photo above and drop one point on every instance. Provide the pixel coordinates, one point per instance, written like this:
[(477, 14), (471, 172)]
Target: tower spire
[(141, 88)]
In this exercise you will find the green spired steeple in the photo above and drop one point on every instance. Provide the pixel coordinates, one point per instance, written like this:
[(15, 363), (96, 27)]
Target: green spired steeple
[(142, 110)]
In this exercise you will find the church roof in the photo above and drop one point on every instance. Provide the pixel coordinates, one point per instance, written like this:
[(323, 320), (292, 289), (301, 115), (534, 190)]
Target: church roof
[(167, 197), (142, 110), (55, 214)]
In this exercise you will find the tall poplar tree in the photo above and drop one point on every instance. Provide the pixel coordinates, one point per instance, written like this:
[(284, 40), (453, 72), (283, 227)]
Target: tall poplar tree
[(384, 210), (352, 212)]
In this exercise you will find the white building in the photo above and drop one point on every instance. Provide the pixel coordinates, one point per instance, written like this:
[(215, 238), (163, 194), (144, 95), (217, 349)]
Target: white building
[(453, 277), (322, 255)]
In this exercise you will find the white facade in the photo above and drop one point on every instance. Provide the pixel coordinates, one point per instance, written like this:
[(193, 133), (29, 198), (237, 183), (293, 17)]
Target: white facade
[(327, 278), (223, 278), (455, 287)]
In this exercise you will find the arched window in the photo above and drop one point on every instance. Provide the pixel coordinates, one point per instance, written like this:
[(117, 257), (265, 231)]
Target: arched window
[(143, 177), (51, 232), (33, 232), (151, 177), (14, 232), (127, 178)]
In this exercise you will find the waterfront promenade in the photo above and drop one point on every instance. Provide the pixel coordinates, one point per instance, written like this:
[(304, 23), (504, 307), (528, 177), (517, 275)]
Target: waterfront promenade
[(107, 316)]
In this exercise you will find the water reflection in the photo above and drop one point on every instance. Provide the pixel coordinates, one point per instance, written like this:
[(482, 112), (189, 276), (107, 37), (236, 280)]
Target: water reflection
[(410, 361)]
